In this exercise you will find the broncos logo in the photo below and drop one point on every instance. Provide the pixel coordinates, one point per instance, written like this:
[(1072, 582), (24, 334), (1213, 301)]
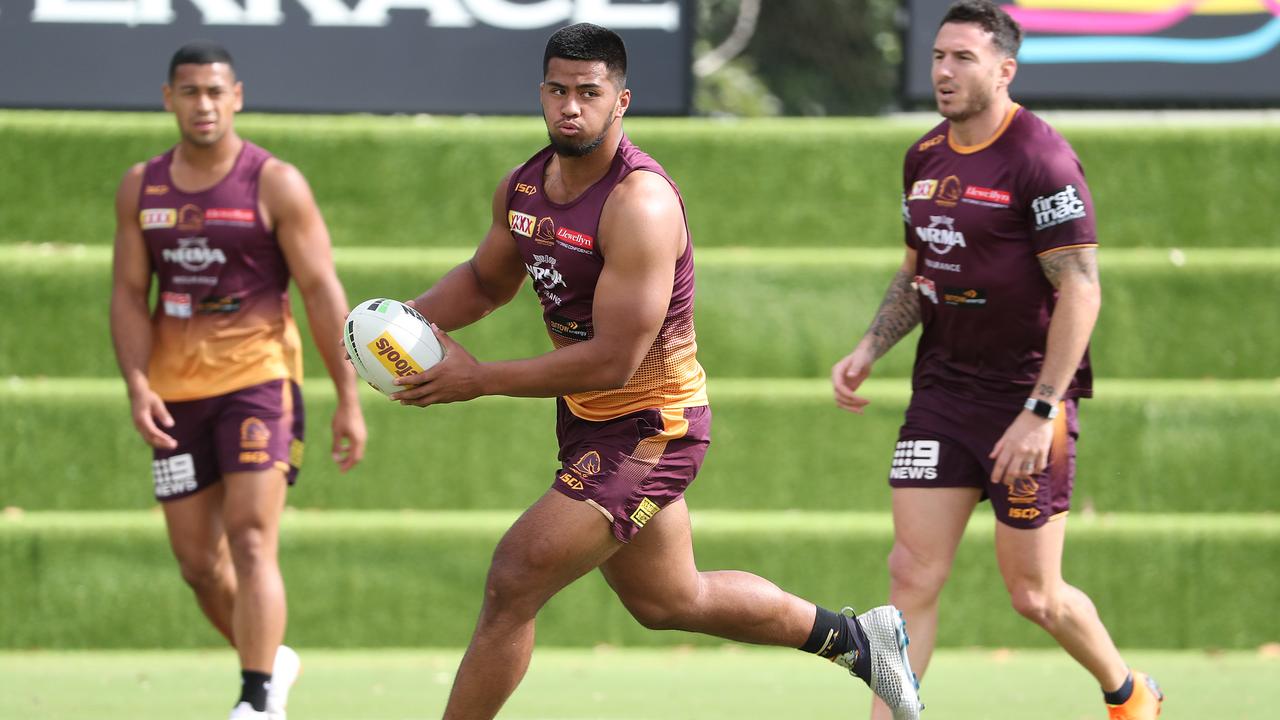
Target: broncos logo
[(588, 464)]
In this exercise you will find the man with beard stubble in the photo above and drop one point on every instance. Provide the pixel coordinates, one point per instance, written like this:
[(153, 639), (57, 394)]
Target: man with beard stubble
[(600, 229), (1001, 271)]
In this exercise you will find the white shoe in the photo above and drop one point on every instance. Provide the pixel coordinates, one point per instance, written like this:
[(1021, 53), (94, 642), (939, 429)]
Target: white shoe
[(891, 676), (245, 711), (284, 672)]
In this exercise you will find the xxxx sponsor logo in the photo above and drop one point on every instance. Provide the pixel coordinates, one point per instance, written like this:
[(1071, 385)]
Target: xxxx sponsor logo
[(923, 189), (158, 218), (521, 223), (393, 357)]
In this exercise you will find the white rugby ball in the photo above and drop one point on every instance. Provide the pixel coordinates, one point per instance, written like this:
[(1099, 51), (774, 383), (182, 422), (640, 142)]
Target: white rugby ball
[(387, 339)]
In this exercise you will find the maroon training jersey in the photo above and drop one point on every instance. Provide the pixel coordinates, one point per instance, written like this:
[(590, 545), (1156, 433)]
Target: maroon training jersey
[(979, 218), (560, 248), (222, 321)]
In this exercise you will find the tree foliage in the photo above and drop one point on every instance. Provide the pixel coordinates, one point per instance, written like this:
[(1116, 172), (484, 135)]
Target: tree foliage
[(818, 57)]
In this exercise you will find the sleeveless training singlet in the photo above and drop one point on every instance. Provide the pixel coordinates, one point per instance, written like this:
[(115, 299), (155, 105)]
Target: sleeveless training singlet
[(558, 243), (222, 321)]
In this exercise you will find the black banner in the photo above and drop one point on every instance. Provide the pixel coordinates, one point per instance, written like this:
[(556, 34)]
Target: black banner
[(1179, 52), (382, 56)]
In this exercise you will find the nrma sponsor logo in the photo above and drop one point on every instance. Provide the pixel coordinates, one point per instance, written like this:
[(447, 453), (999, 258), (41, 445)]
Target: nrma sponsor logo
[(194, 254), (544, 272), (941, 234)]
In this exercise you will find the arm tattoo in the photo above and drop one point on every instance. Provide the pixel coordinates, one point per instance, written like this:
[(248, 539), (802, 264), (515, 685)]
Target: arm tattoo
[(1080, 261), (898, 314), (1045, 390)]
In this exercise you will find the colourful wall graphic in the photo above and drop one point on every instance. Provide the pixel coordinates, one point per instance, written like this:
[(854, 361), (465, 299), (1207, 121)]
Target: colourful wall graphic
[(1142, 51)]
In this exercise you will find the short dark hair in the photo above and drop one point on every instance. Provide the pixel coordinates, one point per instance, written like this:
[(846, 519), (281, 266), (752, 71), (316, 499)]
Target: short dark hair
[(1006, 34), (200, 52), (585, 41)]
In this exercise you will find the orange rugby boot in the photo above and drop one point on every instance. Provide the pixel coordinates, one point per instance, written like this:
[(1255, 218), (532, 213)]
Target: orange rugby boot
[(1143, 704)]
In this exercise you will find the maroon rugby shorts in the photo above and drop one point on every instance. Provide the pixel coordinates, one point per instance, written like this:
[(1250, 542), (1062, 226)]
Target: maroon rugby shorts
[(249, 430), (945, 442), (632, 466)]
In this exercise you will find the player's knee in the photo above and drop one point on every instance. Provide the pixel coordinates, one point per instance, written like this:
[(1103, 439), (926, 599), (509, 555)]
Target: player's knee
[(512, 588), (660, 615), (1035, 604), (673, 608), (916, 575), (250, 548), (203, 570)]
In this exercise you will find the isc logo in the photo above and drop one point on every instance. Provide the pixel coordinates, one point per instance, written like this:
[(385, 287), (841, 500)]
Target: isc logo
[(571, 481), (1024, 513)]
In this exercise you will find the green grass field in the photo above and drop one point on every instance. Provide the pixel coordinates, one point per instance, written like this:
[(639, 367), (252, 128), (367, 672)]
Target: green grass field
[(733, 682), (797, 231)]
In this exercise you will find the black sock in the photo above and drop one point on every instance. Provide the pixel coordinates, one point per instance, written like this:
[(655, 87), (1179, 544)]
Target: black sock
[(833, 635), (253, 689), (1121, 696)]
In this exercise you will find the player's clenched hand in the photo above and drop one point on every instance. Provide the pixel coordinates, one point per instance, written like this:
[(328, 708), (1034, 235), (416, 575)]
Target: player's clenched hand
[(847, 376), (349, 435), (1023, 450), (454, 379), (148, 408)]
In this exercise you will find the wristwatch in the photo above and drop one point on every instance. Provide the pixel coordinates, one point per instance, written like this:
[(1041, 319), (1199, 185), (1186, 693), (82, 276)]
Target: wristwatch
[(1048, 411)]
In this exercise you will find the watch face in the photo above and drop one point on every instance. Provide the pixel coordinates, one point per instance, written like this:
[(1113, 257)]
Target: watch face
[(1041, 408)]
